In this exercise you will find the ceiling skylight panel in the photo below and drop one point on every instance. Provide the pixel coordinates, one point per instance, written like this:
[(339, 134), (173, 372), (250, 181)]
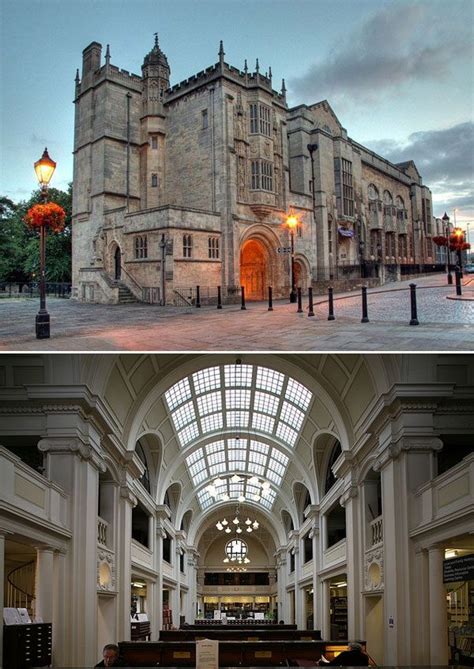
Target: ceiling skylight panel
[(236, 443), (188, 434), (263, 423), (291, 415), (209, 403), (238, 376), (274, 477), (214, 458), (215, 447), (212, 422), (193, 457), (269, 379), (275, 466), (237, 398), (178, 394), (253, 468), (217, 469), (268, 500), (259, 458), (236, 489), (266, 403), (279, 456), (205, 500), (286, 434), (237, 418), (197, 467), (298, 394), (200, 477), (184, 415), (259, 446), (251, 490), (207, 379)]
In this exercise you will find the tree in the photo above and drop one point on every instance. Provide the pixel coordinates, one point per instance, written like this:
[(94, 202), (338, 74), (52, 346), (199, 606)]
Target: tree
[(19, 256)]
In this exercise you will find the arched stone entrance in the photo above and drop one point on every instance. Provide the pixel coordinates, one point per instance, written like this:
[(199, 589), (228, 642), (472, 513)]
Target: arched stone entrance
[(117, 264), (254, 269), (302, 279)]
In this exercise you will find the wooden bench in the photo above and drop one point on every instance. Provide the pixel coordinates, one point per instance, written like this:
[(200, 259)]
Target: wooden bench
[(231, 653)]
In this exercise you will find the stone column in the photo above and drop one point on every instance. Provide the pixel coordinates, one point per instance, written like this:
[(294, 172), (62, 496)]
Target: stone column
[(2, 587), (127, 501), (60, 599), (74, 464), (191, 607), (315, 537), (161, 515), (299, 597), (438, 616), (44, 586), (354, 555)]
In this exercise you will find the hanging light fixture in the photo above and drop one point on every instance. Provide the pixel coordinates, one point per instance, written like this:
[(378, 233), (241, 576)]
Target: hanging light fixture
[(219, 488)]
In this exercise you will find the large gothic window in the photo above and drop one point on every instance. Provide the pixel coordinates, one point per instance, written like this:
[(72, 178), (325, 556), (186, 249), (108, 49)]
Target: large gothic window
[(145, 477)]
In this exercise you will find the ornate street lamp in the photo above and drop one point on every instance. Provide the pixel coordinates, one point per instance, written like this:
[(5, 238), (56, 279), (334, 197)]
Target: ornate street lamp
[(44, 168), (292, 223), (445, 220)]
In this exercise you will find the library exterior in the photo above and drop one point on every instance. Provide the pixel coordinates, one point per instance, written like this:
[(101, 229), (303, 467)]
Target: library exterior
[(125, 477), (189, 185)]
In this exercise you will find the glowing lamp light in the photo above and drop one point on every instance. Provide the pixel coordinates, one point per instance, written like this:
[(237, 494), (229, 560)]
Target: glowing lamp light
[(225, 522), (239, 530), (246, 560), (248, 521), (241, 498), (265, 492), (211, 490), (292, 221), (254, 480), (236, 521), (255, 525), (266, 485), (227, 530), (225, 498), (44, 168), (225, 560), (235, 478), (249, 529), (256, 498), (219, 526)]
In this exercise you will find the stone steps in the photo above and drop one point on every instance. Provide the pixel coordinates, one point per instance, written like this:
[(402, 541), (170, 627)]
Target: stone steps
[(125, 296)]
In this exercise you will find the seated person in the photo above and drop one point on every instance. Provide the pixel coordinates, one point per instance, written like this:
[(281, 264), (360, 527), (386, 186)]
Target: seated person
[(111, 657), (354, 656)]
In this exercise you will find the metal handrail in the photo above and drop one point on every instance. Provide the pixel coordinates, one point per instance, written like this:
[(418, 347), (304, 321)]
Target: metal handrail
[(134, 281)]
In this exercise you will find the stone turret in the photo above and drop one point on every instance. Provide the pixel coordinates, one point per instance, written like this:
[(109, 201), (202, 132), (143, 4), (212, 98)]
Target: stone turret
[(156, 79)]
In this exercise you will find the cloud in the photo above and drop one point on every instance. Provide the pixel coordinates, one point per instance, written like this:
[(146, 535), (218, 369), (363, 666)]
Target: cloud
[(444, 158), (395, 46)]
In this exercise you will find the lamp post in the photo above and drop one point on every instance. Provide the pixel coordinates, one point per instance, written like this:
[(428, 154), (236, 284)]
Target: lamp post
[(292, 223), (458, 233), (44, 168), (445, 220)]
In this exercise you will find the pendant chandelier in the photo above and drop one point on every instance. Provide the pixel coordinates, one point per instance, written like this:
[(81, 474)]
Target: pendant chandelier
[(222, 482), (236, 524)]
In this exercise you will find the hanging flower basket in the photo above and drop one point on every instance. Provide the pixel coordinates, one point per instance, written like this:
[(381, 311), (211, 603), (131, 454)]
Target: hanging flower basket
[(440, 240), (49, 214)]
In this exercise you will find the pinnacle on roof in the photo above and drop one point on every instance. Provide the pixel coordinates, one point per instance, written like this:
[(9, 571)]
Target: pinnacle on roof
[(156, 55)]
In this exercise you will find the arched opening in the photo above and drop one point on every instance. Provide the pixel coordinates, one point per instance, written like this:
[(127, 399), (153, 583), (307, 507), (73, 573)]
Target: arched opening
[(301, 275), (117, 264), (254, 269)]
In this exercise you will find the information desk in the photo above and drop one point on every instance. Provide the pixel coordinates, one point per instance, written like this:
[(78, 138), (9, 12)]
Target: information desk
[(252, 634), (231, 653)]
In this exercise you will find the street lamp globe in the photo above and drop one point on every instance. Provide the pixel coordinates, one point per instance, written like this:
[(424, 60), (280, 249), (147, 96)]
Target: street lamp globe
[(292, 223), (44, 168)]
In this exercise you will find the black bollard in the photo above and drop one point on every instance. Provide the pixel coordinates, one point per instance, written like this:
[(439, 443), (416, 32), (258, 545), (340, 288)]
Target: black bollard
[(310, 302), (331, 316), (414, 315), (219, 298), (300, 305), (458, 282), (365, 318), (242, 306), (270, 298), (198, 297), (450, 278)]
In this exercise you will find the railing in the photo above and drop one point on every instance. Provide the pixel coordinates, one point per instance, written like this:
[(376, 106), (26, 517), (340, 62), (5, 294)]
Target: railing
[(151, 294), (180, 300), (102, 530), (21, 586), (135, 288), (376, 532), (31, 289)]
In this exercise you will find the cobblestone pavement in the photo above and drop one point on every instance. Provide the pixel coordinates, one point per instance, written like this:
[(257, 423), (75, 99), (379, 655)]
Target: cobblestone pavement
[(446, 324)]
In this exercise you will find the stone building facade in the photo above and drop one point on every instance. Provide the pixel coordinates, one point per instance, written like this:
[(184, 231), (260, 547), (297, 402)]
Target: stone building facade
[(190, 185)]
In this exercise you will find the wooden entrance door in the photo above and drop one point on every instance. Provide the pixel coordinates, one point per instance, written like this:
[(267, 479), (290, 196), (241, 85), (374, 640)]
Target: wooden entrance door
[(254, 270)]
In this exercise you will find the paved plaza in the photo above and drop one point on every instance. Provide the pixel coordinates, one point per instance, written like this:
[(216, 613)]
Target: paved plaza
[(446, 323)]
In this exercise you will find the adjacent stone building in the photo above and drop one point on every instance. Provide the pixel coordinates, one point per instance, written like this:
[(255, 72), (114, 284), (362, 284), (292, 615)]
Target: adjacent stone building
[(190, 185)]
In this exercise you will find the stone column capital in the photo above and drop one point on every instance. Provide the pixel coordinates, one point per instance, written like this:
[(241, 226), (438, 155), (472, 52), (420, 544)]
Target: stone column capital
[(127, 494), (407, 443), (350, 493), (72, 446)]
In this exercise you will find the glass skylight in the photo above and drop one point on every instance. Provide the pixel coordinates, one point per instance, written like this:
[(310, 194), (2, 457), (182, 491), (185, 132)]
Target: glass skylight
[(244, 457), (238, 397)]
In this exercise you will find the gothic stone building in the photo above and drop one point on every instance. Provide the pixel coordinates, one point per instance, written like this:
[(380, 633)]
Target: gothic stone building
[(189, 185)]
